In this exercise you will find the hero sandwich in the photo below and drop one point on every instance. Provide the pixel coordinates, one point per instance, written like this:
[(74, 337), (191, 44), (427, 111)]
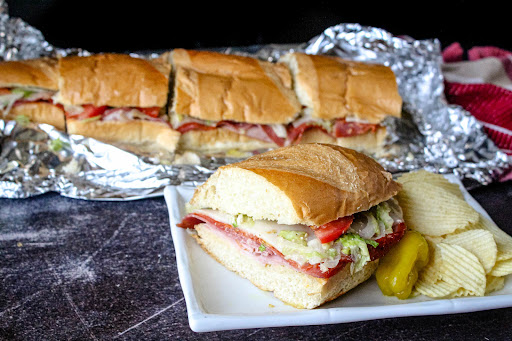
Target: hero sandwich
[(344, 102), (26, 91), (308, 222), (223, 102), (118, 99)]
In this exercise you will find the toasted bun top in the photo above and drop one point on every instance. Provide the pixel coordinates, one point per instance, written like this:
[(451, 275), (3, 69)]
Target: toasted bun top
[(114, 80), (39, 73), (216, 86), (335, 88), (309, 184)]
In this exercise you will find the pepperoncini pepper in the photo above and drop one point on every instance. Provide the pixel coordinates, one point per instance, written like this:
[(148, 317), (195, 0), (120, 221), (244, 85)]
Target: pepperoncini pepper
[(398, 269)]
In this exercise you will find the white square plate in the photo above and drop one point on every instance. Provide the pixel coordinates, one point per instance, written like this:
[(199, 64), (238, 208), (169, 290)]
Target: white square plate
[(218, 299)]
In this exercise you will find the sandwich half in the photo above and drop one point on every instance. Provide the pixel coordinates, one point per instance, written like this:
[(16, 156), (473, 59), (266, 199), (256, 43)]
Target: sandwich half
[(26, 91), (307, 222), (118, 99), (225, 102), (344, 102)]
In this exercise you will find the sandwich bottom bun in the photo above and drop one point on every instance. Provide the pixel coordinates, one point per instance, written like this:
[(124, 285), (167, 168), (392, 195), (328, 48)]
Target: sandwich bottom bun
[(220, 140), (367, 143), (136, 135), (290, 286), (39, 112)]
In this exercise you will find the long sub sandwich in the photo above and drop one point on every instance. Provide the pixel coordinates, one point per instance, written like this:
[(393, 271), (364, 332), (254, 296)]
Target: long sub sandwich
[(344, 102), (118, 99), (308, 222), (26, 91)]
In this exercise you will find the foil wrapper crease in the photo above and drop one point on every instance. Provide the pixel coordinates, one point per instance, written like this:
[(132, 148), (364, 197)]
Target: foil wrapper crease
[(432, 135)]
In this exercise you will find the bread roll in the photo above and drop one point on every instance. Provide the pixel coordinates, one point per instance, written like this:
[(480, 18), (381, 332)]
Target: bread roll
[(220, 140), (290, 286), (37, 73), (114, 80), (39, 112), (330, 88), (309, 184), (144, 135), (215, 86)]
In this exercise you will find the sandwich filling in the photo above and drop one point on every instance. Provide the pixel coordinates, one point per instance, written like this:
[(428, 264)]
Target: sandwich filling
[(91, 113), (319, 251), (272, 133), (11, 97), (280, 134)]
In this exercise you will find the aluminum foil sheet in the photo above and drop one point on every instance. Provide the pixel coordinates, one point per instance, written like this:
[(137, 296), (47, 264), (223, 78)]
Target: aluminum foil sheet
[(36, 159)]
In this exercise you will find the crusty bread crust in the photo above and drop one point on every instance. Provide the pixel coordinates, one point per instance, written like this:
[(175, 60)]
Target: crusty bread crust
[(220, 140), (370, 143), (39, 73), (144, 134), (290, 286), (331, 87), (309, 184), (215, 86), (114, 80), (39, 112)]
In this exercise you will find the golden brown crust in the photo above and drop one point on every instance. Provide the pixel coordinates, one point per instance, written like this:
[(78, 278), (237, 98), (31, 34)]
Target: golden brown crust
[(40, 112), (137, 132), (40, 73), (324, 182), (215, 86), (220, 140), (335, 88), (115, 80)]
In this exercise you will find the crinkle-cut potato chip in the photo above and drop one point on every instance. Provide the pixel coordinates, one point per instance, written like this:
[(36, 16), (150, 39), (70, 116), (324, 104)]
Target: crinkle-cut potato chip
[(432, 179), (502, 268), (439, 289), (470, 255), (503, 239), (494, 284), (460, 292), (462, 268), (480, 243), (434, 212), (431, 273)]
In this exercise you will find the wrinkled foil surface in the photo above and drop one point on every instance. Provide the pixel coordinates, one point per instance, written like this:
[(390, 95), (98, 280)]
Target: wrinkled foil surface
[(36, 159)]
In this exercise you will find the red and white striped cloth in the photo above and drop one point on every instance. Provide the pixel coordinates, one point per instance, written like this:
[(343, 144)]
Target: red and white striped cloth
[(481, 82)]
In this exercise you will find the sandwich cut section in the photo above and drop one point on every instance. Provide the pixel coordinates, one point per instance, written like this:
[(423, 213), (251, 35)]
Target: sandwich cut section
[(118, 99), (344, 102), (308, 222), (223, 102), (27, 88)]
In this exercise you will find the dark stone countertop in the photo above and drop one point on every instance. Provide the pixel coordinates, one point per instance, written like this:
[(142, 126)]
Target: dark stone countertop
[(89, 270)]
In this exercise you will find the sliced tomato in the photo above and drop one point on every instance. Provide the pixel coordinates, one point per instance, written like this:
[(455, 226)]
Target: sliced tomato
[(88, 111), (153, 111), (387, 241), (332, 230)]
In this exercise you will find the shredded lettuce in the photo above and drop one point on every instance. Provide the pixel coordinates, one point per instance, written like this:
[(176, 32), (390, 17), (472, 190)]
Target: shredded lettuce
[(357, 246), (243, 219), (383, 217), (57, 145), (22, 120), (294, 236), (24, 92), (91, 119)]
